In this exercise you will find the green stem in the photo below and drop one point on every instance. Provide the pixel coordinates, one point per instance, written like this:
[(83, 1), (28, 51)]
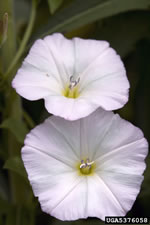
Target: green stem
[(24, 41), (6, 55), (13, 107), (18, 216), (28, 119), (8, 50)]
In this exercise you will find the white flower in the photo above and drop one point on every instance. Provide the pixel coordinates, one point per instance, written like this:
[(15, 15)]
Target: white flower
[(75, 77), (90, 167)]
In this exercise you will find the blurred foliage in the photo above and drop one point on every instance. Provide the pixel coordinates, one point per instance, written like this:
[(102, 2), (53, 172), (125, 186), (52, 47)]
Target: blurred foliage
[(15, 164), (126, 25), (3, 29), (54, 5)]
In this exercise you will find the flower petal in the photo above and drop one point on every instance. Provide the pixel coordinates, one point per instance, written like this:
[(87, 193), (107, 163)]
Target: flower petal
[(84, 59), (112, 194), (73, 204), (119, 156), (55, 184), (47, 69), (34, 84), (53, 55), (103, 80), (109, 92), (52, 154), (68, 108), (122, 146), (101, 201), (93, 130), (62, 51), (57, 138), (109, 135)]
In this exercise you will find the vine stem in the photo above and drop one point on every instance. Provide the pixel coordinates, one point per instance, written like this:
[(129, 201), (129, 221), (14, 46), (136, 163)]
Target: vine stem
[(8, 49), (6, 55), (28, 119), (24, 41)]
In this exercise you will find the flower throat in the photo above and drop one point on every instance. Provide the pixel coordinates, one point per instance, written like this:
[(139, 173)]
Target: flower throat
[(71, 90), (86, 167)]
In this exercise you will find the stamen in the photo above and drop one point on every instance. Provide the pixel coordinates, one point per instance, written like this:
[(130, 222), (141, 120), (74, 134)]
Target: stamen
[(90, 163), (72, 90), (73, 82), (86, 167), (83, 165), (86, 164)]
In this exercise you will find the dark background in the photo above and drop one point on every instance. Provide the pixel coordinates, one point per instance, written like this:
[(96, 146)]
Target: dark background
[(126, 25)]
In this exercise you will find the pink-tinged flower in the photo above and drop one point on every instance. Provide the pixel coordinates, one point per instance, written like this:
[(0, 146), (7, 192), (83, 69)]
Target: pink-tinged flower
[(74, 77), (90, 167)]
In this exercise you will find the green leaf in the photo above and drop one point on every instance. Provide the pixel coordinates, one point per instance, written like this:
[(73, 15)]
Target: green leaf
[(124, 31), (4, 193), (80, 13), (54, 5), (17, 127), (4, 206), (3, 152), (22, 11), (15, 164)]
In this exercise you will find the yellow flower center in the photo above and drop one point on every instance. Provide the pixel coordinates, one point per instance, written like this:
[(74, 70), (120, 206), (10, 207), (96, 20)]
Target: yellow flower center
[(71, 93), (72, 90), (85, 167)]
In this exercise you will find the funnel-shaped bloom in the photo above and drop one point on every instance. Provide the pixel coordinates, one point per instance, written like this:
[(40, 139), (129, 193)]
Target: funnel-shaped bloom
[(91, 167), (74, 77)]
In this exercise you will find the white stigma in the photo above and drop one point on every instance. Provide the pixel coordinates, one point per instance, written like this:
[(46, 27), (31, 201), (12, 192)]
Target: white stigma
[(86, 164), (73, 82)]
